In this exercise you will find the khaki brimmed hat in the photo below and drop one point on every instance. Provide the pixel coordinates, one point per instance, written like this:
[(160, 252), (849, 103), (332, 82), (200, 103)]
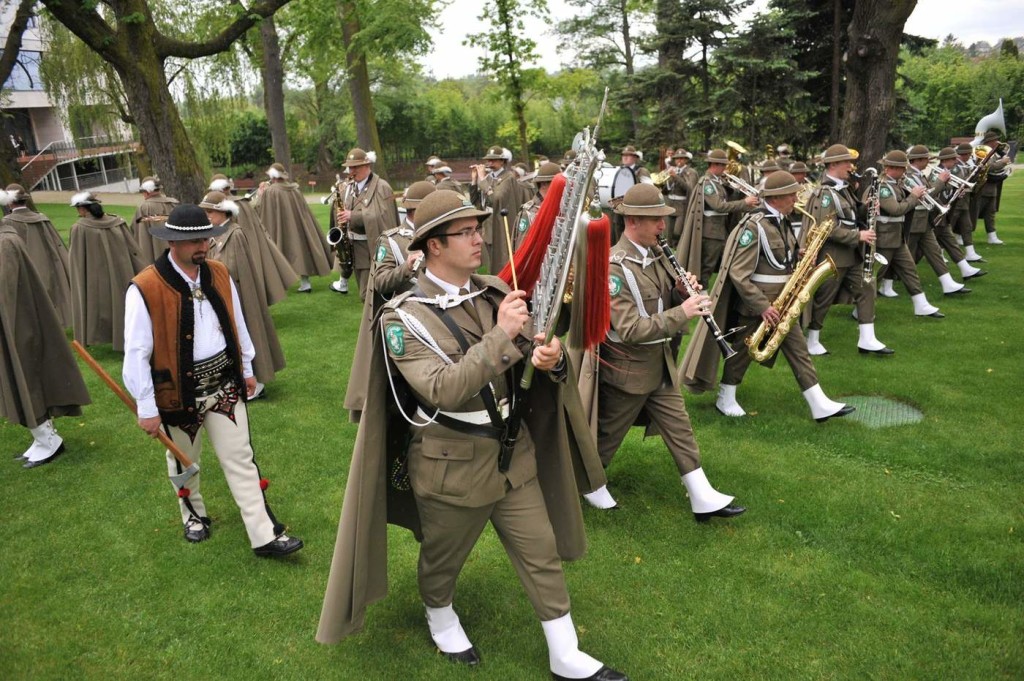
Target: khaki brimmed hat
[(946, 153), (84, 199), (718, 156), (438, 209), (770, 165), (644, 200), (547, 172), (441, 168), (799, 167), (358, 157), (498, 153), (186, 222), (570, 156), (629, 149), (220, 183), (150, 184), (918, 151), (415, 193), (964, 148), (681, 153), (216, 200), (780, 183), (990, 136), (895, 159), (277, 172), (837, 153), (433, 161), (17, 194)]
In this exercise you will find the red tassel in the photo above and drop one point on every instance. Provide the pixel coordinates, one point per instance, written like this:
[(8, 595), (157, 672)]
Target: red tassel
[(184, 492), (596, 297), (264, 483), (530, 254)]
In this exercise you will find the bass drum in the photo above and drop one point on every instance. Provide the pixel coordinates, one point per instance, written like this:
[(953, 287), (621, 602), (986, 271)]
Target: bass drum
[(613, 183)]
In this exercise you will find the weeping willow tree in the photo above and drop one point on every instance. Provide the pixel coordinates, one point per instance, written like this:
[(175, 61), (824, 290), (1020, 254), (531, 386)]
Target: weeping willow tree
[(144, 49)]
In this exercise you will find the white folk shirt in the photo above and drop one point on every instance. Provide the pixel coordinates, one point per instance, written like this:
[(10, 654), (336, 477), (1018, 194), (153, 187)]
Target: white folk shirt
[(209, 340)]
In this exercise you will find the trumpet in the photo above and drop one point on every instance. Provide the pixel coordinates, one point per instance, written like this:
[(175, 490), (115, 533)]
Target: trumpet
[(740, 185), (926, 198), (716, 332), (957, 181)]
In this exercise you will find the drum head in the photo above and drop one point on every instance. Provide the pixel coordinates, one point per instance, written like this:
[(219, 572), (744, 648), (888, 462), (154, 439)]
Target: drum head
[(624, 179)]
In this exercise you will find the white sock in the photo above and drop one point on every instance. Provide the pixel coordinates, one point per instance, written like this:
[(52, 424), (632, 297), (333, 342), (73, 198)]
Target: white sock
[(446, 630), (867, 338), (703, 497), (821, 406), (948, 285), (601, 498), (921, 305), (966, 269), (814, 346), (727, 403), (564, 655)]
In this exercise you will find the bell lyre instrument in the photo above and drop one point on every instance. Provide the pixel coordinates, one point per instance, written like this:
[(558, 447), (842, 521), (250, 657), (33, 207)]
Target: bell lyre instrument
[(716, 332)]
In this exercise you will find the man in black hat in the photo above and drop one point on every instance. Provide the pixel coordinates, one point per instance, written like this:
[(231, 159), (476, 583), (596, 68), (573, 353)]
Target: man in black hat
[(453, 348), (188, 363)]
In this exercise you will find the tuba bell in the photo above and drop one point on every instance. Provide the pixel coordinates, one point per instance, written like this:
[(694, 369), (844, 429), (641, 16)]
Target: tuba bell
[(986, 123), (734, 167)]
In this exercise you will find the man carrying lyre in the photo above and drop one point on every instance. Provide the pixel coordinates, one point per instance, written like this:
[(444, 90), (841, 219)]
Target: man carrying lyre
[(833, 198), (760, 258), (453, 346)]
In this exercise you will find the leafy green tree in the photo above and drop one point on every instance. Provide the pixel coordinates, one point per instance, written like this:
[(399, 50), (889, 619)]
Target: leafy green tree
[(128, 37), (8, 60), (507, 53)]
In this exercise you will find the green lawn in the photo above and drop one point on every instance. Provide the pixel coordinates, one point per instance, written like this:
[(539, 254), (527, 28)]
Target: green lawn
[(888, 553)]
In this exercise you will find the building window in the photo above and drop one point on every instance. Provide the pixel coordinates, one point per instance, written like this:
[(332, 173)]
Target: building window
[(25, 75)]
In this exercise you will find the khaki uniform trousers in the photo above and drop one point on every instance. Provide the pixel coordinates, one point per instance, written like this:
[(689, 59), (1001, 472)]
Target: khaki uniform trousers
[(963, 226), (360, 265), (710, 258), (927, 245), (521, 521), (852, 279), (793, 348), (901, 266), (618, 410), (987, 212), (231, 444)]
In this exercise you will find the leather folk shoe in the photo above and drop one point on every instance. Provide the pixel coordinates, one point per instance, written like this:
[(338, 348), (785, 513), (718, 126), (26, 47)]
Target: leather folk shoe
[(605, 673), (882, 351), (727, 512), (976, 275), (281, 546), (962, 291), (470, 657)]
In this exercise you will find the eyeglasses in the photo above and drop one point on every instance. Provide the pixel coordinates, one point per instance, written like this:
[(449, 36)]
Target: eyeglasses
[(467, 233)]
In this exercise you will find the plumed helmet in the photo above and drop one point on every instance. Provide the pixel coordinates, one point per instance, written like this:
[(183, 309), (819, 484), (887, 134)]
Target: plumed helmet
[(358, 157), (150, 184), (216, 200), (277, 172)]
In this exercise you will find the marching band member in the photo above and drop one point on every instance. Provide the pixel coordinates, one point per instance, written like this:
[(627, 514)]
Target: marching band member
[(153, 210), (494, 185)]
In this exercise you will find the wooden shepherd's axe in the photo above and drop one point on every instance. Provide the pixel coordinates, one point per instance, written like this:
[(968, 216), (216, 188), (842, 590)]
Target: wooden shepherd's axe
[(191, 468)]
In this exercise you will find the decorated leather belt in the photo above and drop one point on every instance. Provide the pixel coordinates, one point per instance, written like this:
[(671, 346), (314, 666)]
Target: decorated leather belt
[(614, 337), (212, 374), (769, 278)]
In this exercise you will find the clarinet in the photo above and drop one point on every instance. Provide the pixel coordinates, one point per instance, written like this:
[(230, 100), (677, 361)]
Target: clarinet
[(716, 333)]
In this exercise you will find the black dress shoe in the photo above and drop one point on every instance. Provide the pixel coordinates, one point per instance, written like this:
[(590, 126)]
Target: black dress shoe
[(727, 512), (470, 657), (936, 315), (195, 536), (847, 409), (281, 546), (979, 273), (883, 351), (962, 291), (605, 673), (43, 462)]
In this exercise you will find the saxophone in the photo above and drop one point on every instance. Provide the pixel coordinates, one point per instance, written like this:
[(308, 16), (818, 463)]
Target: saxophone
[(805, 280), (338, 237)]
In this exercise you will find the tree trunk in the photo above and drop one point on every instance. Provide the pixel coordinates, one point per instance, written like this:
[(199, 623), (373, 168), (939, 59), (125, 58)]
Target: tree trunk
[(871, 60), (627, 47), (837, 58), (367, 136), (273, 92), (324, 162), (10, 171), (160, 128)]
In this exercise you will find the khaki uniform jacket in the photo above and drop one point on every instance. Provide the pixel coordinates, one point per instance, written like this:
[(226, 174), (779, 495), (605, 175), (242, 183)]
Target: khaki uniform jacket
[(894, 202), (292, 226), (39, 378), (920, 221), (996, 167), (358, 574), (104, 258), (48, 253), (452, 185), (706, 214), (683, 183), (843, 244), (273, 270), (236, 252), (645, 315), (504, 192), (389, 275), (374, 211), (151, 213), (527, 214)]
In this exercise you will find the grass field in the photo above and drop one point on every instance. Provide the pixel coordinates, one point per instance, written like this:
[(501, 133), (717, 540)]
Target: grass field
[(882, 553)]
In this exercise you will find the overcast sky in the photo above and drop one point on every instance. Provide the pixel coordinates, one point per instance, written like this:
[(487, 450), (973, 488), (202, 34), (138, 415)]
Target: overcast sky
[(970, 20)]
